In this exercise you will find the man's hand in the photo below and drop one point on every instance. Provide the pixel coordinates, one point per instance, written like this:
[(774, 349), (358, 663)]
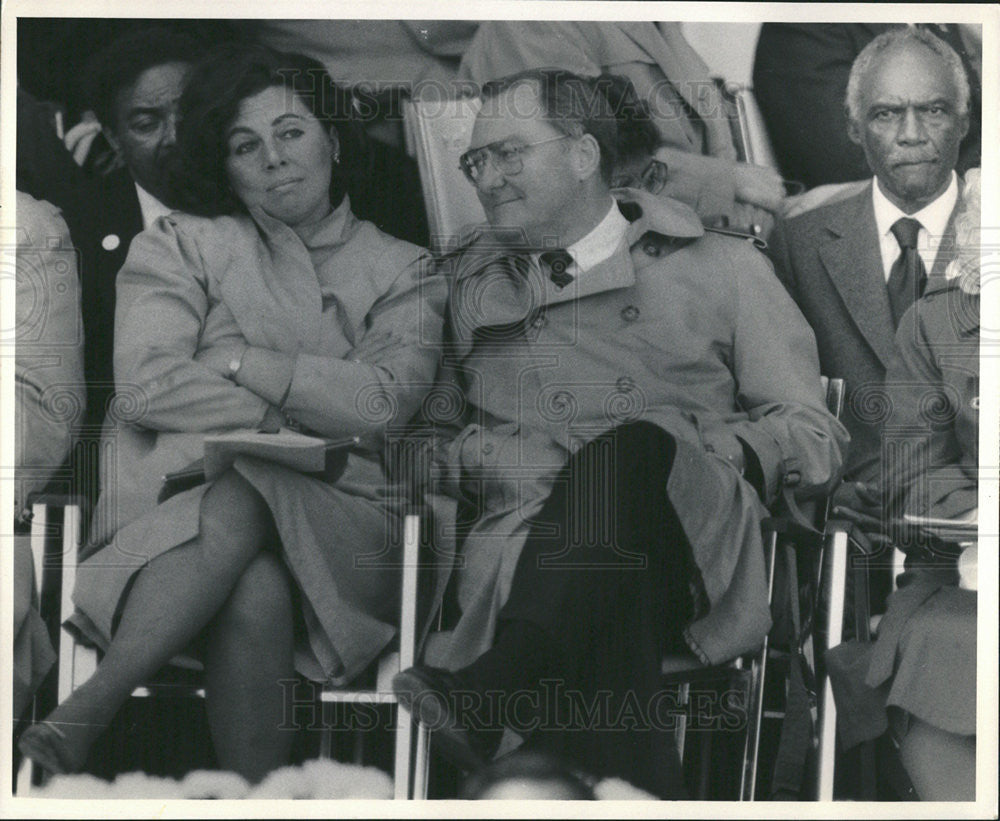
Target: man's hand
[(759, 185), (752, 219), (860, 503)]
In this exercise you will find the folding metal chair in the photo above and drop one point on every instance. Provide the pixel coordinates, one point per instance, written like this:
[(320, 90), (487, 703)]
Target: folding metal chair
[(55, 541), (850, 558)]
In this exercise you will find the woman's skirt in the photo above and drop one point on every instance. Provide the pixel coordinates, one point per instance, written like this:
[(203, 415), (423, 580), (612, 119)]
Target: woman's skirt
[(337, 540), (923, 663)]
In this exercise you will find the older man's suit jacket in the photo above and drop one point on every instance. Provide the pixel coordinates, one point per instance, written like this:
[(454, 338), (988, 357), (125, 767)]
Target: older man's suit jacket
[(829, 260)]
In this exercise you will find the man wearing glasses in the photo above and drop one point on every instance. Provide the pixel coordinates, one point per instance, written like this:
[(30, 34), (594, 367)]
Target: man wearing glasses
[(628, 396)]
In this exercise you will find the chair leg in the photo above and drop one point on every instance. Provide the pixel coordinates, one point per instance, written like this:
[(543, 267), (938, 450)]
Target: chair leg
[(704, 767), (755, 714), (25, 775), (408, 773), (402, 779), (359, 747), (421, 763), (681, 735), (755, 692), (835, 562), (326, 733)]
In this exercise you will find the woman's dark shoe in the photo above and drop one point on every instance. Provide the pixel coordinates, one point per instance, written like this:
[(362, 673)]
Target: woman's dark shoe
[(45, 744), (432, 696)]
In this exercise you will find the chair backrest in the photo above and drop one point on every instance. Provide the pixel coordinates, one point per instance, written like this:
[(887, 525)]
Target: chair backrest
[(439, 132), (749, 132)]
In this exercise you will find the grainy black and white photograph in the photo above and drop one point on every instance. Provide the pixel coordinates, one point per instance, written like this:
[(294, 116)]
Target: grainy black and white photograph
[(574, 402)]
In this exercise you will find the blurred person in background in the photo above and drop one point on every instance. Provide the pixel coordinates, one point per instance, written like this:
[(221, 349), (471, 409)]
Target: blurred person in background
[(49, 400), (673, 82)]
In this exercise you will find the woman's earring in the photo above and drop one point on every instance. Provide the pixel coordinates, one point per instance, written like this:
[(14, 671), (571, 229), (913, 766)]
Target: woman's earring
[(336, 158)]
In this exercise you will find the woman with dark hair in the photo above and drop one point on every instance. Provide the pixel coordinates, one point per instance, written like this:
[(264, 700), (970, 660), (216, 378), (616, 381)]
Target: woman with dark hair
[(267, 305)]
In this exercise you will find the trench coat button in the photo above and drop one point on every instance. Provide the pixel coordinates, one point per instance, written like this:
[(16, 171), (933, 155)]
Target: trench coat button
[(630, 313), (625, 384), (488, 448), (652, 249), (540, 321), (792, 478), (974, 403)]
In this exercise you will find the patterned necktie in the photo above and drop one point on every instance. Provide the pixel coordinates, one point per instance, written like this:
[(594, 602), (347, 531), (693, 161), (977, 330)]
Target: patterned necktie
[(557, 262), (908, 275)]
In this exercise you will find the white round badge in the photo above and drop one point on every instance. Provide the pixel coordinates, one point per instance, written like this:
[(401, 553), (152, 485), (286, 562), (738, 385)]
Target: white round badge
[(110, 242)]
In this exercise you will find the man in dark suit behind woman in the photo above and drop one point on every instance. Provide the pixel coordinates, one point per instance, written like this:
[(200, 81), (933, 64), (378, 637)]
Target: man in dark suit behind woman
[(850, 265), (133, 86)]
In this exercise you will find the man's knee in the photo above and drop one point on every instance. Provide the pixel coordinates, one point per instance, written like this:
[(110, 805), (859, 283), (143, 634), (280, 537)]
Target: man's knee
[(637, 453), (642, 440)]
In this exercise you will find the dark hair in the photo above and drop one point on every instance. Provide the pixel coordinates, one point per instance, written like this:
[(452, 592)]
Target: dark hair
[(530, 766), (216, 86), (125, 59), (638, 136), (574, 105)]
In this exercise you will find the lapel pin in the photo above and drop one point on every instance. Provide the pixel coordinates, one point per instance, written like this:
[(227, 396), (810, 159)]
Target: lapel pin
[(110, 242)]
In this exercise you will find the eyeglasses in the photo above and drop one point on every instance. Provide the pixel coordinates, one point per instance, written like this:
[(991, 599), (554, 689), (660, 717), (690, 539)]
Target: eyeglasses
[(505, 156), (652, 179)]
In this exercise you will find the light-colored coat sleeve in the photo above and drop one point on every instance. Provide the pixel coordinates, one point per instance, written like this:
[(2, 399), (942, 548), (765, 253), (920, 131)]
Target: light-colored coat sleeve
[(391, 368), (163, 301), (49, 389), (777, 370)]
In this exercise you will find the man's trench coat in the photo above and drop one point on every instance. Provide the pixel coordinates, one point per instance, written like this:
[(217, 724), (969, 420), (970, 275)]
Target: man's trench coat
[(687, 330)]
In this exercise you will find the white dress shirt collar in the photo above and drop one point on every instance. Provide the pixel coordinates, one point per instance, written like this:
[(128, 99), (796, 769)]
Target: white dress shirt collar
[(597, 246), (150, 206), (933, 219)]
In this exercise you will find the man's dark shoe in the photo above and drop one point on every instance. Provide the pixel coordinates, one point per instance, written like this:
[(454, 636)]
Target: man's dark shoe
[(432, 696)]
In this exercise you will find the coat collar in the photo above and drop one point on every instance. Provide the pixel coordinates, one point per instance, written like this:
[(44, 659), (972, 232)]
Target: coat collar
[(277, 298), (486, 246), (495, 291)]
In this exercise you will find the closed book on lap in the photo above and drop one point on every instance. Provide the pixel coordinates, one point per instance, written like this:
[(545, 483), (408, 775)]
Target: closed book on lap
[(306, 454), (324, 458)]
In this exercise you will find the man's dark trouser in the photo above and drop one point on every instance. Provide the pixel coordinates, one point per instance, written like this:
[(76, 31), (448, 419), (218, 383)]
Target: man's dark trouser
[(606, 575)]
